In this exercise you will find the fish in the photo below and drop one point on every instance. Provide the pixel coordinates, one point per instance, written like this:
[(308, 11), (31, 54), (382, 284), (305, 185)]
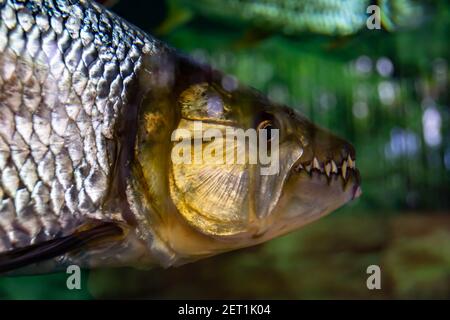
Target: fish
[(296, 17), (90, 109)]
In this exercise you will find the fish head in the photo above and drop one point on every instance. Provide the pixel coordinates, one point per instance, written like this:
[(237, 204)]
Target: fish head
[(238, 170), (318, 174)]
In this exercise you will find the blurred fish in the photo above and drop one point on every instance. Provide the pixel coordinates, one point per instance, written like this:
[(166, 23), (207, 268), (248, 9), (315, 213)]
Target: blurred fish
[(397, 14), (88, 108), (293, 17)]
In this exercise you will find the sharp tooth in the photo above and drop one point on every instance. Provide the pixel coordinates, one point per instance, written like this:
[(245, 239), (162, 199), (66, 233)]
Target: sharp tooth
[(344, 169), (316, 163), (334, 168), (328, 169), (299, 167), (351, 163), (308, 167)]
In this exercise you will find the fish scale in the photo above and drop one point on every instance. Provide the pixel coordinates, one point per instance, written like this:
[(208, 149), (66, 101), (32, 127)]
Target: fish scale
[(65, 74)]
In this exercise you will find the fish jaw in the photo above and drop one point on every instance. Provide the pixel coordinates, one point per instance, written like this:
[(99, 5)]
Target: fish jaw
[(317, 175), (310, 195)]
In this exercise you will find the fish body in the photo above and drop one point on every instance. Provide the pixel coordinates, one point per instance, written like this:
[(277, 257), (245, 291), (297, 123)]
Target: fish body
[(88, 105), (67, 73), (293, 17)]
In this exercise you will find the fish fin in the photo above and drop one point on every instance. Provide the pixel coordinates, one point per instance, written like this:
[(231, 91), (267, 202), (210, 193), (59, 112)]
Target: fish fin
[(88, 234), (252, 37), (176, 17)]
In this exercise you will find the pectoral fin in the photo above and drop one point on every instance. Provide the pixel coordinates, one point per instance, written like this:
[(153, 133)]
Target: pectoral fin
[(50, 249)]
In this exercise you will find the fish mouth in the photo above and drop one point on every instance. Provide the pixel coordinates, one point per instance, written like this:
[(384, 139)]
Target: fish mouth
[(334, 171)]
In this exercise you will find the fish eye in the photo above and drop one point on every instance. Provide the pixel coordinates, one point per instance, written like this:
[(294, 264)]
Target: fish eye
[(268, 125)]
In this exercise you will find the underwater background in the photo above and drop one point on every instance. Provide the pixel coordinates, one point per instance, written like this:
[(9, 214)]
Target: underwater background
[(387, 93)]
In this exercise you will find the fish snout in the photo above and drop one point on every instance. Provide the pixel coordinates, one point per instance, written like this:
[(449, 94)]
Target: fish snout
[(328, 155)]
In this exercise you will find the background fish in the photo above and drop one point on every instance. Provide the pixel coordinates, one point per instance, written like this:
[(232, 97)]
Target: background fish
[(294, 17), (88, 104)]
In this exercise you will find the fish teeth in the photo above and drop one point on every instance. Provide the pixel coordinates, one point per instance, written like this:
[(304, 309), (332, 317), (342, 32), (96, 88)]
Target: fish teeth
[(344, 169), (351, 163), (328, 169), (316, 164), (308, 168), (334, 168)]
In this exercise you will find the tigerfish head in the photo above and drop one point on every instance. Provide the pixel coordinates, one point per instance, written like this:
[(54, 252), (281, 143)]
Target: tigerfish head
[(198, 198)]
